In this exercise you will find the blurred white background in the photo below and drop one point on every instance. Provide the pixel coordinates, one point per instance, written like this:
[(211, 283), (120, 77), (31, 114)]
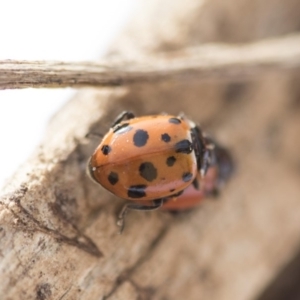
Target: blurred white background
[(48, 30)]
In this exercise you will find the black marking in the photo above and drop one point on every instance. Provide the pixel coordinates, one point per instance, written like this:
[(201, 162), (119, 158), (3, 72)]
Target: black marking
[(172, 190), (166, 138), (186, 177), (177, 194), (198, 145), (170, 161), (196, 184), (184, 146), (137, 191), (113, 178), (140, 138), (105, 149), (174, 121), (125, 115), (122, 128), (148, 171)]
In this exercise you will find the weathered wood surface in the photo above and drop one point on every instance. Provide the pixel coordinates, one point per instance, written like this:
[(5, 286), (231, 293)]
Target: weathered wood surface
[(212, 61), (58, 234)]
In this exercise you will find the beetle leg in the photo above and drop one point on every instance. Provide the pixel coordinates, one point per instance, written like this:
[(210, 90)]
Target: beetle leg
[(125, 115), (206, 162), (208, 155), (134, 206)]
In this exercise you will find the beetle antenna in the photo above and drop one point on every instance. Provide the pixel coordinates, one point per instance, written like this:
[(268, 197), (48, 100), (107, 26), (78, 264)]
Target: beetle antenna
[(94, 135)]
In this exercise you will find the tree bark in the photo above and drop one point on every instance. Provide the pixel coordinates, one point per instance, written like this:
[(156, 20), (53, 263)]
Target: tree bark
[(59, 238), (212, 61)]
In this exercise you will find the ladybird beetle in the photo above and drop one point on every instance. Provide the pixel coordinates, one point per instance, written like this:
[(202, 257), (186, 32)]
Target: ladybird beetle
[(152, 160), (218, 173)]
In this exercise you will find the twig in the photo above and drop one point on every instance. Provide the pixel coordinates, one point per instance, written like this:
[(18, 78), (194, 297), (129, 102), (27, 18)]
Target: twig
[(207, 61)]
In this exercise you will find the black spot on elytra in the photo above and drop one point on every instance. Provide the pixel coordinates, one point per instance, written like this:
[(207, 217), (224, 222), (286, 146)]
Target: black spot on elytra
[(174, 121), (184, 146), (170, 161), (165, 137), (122, 128), (105, 149), (187, 176), (137, 191), (172, 190), (195, 183), (113, 178), (140, 138), (148, 171)]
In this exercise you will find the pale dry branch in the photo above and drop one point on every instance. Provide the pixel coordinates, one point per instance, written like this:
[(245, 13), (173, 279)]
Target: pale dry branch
[(59, 238), (207, 61)]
